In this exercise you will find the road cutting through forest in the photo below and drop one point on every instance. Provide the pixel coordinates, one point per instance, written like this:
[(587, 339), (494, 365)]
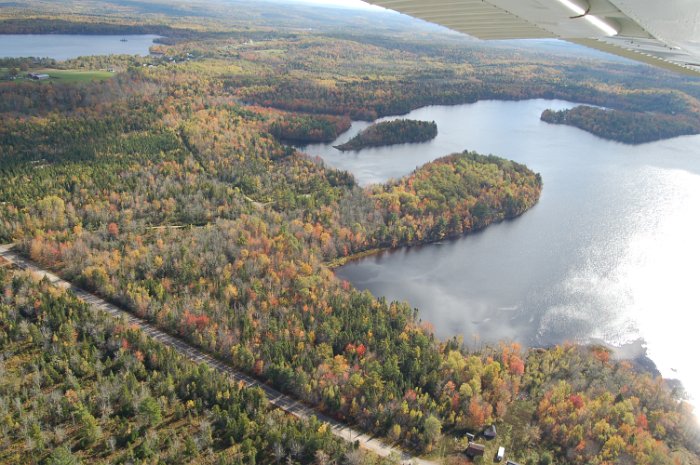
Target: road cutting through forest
[(276, 398)]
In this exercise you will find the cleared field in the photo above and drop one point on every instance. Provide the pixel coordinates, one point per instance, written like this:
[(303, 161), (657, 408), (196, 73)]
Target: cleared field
[(73, 75)]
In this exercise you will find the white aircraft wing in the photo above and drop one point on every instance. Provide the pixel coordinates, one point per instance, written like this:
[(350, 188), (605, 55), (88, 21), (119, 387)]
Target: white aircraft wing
[(664, 33)]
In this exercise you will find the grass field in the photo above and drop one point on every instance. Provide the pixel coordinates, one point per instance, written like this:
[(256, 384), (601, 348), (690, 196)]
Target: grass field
[(72, 75), (62, 75)]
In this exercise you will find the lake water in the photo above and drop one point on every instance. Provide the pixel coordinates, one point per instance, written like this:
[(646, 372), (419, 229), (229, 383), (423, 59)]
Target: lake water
[(609, 254), (67, 46)]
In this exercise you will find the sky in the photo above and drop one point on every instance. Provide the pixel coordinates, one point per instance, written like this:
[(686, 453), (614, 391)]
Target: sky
[(343, 3)]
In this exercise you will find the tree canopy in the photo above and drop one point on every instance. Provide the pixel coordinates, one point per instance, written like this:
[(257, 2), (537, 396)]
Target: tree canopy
[(400, 131)]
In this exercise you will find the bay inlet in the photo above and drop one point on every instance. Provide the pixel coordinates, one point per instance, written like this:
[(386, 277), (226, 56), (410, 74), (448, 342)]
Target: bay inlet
[(608, 255)]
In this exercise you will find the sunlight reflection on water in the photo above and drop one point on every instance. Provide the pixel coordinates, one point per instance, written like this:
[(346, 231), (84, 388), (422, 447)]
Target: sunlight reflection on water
[(610, 252)]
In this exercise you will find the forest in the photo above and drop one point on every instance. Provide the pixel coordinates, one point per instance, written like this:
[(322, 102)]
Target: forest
[(400, 131), (166, 190), (79, 387), (622, 126), (309, 128), (455, 195)]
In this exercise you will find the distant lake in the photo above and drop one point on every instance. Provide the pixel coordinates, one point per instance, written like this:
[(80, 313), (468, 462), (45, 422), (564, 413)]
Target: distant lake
[(67, 46), (610, 253)]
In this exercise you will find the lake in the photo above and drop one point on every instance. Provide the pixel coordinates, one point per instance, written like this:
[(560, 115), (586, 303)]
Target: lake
[(610, 253), (67, 46)]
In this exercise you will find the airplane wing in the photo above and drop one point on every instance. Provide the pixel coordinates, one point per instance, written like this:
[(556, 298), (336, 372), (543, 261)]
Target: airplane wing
[(664, 33)]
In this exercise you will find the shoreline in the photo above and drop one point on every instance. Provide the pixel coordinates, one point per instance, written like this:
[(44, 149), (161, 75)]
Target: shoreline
[(341, 261), (634, 352)]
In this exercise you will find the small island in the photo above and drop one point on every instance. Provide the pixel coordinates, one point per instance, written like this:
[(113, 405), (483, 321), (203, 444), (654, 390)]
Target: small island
[(628, 127), (400, 131)]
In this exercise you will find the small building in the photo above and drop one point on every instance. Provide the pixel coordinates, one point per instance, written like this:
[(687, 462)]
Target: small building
[(490, 432), (38, 77), (470, 437), (500, 455), (510, 462), (474, 450)]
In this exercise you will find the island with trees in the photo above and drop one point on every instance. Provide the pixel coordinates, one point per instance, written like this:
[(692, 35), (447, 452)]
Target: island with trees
[(623, 126), (400, 131)]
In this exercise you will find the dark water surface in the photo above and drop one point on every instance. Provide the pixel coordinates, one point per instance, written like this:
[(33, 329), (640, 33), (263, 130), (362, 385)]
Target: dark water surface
[(610, 253), (67, 46)]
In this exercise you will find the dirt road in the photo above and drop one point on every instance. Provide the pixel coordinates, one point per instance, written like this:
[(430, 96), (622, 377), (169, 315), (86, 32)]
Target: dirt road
[(275, 397)]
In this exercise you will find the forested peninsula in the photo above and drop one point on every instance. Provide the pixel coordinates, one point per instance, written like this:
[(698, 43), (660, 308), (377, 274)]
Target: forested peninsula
[(309, 128), (166, 190), (455, 195), (623, 126), (400, 131)]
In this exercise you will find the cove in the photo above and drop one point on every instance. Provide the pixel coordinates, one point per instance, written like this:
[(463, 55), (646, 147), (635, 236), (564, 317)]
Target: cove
[(68, 46), (609, 254)]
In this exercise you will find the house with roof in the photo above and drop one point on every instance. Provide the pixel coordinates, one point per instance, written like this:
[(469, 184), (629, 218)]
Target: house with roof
[(474, 450)]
